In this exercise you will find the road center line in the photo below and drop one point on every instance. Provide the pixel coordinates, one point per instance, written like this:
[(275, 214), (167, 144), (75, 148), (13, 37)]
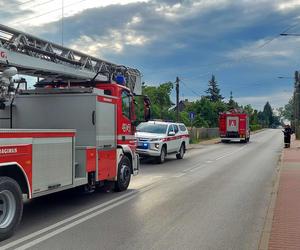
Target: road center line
[(229, 154), (179, 175), (196, 168)]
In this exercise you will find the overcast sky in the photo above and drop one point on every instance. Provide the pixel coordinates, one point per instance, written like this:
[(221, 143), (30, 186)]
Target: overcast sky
[(236, 40)]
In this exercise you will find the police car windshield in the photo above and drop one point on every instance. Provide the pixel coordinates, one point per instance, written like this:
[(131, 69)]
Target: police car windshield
[(152, 128)]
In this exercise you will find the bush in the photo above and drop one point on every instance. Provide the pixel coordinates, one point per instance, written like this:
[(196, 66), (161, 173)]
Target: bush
[(255, 127)]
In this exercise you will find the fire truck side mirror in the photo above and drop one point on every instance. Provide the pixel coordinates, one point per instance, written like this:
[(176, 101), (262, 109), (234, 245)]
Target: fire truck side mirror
[(147, 110), (135, 123), (147, 114)]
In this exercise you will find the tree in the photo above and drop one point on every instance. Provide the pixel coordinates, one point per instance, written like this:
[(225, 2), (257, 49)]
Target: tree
[(207, 112), (268, 115), (160, 100), (288, 110), (267, 118), (231, 103), (213, 90)]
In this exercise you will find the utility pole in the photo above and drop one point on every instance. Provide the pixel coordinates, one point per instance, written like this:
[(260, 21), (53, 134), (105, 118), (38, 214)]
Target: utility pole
[(62, 22), (297, 106), (177, 99), (296, 117)]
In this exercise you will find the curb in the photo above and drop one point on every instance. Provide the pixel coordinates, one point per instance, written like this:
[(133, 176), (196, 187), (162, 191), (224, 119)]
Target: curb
[(204, 143), (266, 233)]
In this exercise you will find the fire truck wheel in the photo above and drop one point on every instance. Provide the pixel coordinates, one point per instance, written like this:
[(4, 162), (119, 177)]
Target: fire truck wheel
[(180, 155), (124, 175), (11, 206), (161, 159)]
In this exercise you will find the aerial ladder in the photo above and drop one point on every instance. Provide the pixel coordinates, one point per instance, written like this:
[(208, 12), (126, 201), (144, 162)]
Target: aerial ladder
[(54, 63)]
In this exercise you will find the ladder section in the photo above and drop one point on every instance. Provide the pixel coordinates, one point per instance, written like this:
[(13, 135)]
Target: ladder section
[(37, 57)]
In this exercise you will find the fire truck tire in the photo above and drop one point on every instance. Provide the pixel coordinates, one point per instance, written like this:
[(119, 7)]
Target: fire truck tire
[(11, 207), (180, 155), (163, 153), (124, 175)]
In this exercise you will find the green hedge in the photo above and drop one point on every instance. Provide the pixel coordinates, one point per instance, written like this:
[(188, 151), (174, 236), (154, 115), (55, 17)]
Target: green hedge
[(255, 127)]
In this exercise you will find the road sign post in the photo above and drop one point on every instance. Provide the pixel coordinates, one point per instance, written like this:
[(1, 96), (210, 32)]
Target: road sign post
[(192, 116)]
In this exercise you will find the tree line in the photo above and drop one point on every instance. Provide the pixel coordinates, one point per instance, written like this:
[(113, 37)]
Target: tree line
[(206, 108)]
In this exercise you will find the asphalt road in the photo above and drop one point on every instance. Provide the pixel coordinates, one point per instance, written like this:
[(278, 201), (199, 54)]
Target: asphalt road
[(215, 198)]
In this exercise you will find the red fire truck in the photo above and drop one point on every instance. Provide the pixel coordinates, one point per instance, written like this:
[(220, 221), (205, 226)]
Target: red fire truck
[(234, 126), (75, 128)]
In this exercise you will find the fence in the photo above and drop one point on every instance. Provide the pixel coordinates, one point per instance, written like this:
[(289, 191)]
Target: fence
[(197, 134)]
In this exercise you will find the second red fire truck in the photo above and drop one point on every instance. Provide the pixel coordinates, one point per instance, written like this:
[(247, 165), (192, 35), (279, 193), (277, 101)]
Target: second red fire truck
[(234, 126), (75, 128)]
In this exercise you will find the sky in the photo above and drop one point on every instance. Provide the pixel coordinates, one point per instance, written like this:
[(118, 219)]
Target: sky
[(236, 40)]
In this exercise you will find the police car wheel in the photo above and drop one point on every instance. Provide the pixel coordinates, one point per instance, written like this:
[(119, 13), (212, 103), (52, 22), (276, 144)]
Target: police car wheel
[(180, 155), (162, 157)]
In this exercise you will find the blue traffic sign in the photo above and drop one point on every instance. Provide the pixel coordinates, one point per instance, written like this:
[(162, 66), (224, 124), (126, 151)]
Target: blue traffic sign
[(192, 115)]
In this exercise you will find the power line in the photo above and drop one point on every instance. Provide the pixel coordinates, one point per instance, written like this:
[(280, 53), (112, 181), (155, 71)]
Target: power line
[(30, 1), (220, 63), (49, 12), (19, 4), (194, 92), (40, 4)]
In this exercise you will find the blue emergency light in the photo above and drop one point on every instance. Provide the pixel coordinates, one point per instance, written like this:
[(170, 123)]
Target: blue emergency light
[(120, 79)]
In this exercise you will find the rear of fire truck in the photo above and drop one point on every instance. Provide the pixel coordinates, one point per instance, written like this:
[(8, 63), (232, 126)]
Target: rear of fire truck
[(234, 126)]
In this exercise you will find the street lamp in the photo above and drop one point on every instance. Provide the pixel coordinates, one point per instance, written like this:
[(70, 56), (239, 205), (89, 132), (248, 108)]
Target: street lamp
[(289, 34), (285, 77)]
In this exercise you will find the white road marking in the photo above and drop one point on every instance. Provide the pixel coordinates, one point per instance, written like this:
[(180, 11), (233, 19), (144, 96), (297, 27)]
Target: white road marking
[(195, 169), (189, 169), (234, 152), (179, 175), (75, 223), (88, 214), (208, 161)]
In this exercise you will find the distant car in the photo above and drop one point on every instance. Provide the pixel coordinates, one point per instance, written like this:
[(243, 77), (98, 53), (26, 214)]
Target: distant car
[(159, 139)]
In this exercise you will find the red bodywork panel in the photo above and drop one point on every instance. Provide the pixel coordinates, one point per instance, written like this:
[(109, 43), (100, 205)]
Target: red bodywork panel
[(107, 164), (21, 154), (91, 160)]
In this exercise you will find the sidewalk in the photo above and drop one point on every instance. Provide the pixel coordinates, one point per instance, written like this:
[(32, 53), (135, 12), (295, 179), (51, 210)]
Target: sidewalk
[(285, 232)]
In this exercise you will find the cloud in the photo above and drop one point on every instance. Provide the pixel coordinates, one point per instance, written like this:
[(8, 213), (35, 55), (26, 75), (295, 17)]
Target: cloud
[(277, 51), (288, 5), (166, 38), (37, 13), (275, 99)]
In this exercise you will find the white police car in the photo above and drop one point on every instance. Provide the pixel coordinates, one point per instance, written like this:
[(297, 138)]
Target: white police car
[(159, 139)]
